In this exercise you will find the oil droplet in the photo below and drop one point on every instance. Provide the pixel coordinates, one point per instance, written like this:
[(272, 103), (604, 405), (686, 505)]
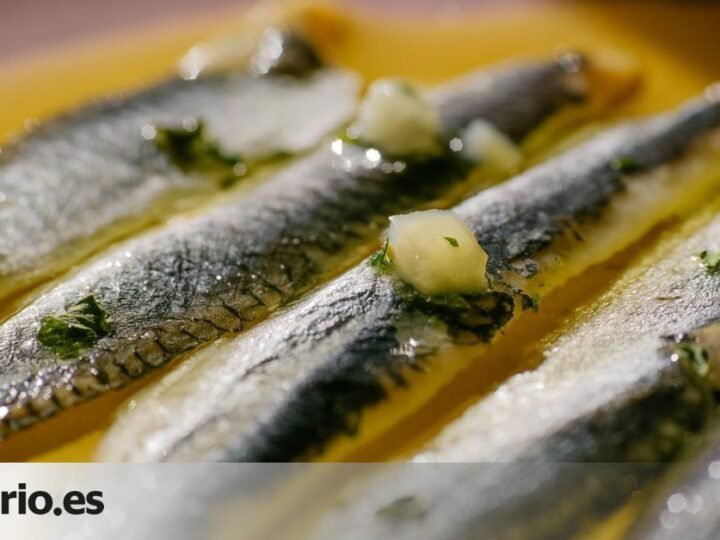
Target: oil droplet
[(148, 132)]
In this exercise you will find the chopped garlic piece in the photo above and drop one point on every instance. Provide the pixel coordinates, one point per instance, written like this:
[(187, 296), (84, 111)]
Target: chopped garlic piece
[(397, 119), (437, 253), (485, 144)]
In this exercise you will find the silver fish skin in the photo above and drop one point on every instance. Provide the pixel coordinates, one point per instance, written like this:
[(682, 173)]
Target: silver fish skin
[(285, 389), (172, 290), (93, 175)]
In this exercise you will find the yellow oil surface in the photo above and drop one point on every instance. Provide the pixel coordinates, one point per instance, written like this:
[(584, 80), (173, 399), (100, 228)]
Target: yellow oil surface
[(425, 47)]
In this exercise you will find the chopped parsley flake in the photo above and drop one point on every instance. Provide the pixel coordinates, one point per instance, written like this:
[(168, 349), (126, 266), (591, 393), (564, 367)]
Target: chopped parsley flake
[(529, 301), (625, 164), (406, 88), (696, 356), (277, 155), (407, 507), (711, 261), (381, 259), (191, 150), (80, 327), (452, 241)]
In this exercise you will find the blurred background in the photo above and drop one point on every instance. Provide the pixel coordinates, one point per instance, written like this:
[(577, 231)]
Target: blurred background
[(27, 25), (30, 25), (35, 24), (55, 54)]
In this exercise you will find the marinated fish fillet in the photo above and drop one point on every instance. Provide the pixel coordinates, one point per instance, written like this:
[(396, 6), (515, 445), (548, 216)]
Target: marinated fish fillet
[(365, 350), (98, 173), (169, 291), (621, 393), (685, 504), (627, 338)]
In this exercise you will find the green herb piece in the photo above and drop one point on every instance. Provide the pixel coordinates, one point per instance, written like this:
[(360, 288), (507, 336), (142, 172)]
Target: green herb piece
[(529, 301), (696, 356), (407, 507), (227, 182), (381, 259), (625, 164), (80, 327), (406, 88), (451, 300), (711, 261), (191, 150), (277, 155), (452, 241), (468, 317)]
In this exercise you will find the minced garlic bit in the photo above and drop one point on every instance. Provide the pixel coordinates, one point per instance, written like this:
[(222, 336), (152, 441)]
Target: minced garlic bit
[(485, 144), (437, 253), (396, 118)]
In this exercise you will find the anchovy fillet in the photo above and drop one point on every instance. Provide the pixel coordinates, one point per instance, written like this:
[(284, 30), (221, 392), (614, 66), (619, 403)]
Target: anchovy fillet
[(172, 290), (685, 503), (309, 376), (95, 175), (622, 345), (623, 392)]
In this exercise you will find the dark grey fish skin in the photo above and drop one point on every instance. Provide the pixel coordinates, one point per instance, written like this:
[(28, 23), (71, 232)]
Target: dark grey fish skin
[(92, 176), (284, 52), (514, 226), (308, 375), (172, 290), (499, 107)]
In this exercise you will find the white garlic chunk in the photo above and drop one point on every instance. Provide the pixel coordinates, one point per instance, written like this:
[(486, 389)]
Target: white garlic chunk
[(396, 118), (437, 253), (483, 143)]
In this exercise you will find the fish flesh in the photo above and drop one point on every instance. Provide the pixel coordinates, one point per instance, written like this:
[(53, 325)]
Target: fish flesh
[(349, 361), (174, 289), (97, 174)]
